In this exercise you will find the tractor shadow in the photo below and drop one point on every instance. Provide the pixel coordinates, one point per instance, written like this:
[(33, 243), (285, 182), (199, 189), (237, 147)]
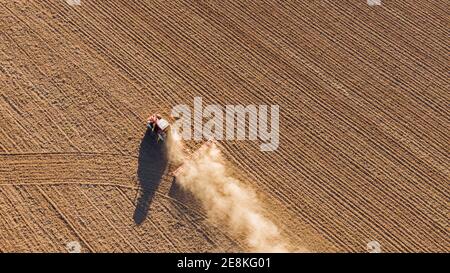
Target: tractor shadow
[(152, 163)]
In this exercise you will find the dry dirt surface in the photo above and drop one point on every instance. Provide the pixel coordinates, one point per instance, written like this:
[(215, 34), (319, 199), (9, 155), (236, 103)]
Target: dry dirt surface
[(364, 105)]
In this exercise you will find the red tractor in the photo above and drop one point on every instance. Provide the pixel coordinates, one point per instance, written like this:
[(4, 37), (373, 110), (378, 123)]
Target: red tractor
[(158, 125)]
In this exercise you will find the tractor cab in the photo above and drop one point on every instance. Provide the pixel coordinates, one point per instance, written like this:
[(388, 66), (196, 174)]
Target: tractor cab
[(158, 125)]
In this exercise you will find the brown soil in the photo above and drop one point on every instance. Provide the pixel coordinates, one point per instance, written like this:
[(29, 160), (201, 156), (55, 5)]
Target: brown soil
[(363, 95)]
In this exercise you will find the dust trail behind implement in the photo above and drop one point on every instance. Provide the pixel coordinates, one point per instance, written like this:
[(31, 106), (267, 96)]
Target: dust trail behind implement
[(226, 200)]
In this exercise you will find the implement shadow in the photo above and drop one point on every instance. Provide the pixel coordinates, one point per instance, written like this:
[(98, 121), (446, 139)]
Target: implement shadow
[(183, 196), (151, 166)]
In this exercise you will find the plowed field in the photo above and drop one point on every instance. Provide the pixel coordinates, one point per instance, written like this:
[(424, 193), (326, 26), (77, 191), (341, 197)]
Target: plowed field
[(364, 105)]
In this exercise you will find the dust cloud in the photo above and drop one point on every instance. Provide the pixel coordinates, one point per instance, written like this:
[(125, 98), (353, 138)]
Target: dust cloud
[(225, 199)]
